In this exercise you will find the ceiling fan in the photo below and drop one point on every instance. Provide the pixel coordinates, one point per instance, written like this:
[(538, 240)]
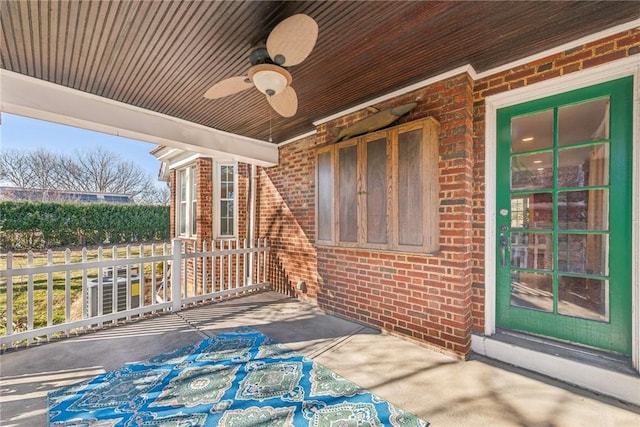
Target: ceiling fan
[(290, 42)]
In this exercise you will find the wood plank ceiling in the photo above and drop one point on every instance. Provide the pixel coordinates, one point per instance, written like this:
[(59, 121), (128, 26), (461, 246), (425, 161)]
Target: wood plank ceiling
[(163, 56)]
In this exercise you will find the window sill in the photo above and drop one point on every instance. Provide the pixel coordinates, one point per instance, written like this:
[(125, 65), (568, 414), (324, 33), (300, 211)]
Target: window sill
[(403, 251)]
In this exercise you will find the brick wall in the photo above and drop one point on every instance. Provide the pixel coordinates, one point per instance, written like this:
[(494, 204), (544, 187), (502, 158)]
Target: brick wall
[(286, 216), (425, 297), (436, 299), (204, 190)]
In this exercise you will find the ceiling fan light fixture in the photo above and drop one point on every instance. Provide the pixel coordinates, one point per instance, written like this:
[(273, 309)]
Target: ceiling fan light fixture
[(269, 79)]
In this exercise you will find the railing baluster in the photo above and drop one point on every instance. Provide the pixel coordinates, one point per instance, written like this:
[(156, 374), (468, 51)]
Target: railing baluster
[(265, 260), (154, 289), (257, 266), (230, 265), (128, 288), (67, 287), (9, 293), (221, 266), (85, 291), (195, 270), (100, 286), (244, 264), (165, 268), (49, 292), (114, 282), (30, 295), (205, 287), (237, 258), (214, 261), (141, 298), (185, 264)]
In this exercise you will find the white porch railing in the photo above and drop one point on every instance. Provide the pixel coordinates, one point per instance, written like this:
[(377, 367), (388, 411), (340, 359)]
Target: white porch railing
[(117, 285)]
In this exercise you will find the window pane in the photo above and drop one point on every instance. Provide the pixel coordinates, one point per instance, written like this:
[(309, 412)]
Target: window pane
[(583, 166), (348, 219), (583, 210), (532, 211), (532, 171), (227, 200), (183, 218), (325, 195), (587, 121), (583, 253), (377, 191), (226, 217), (532, 251), (182, 177), (583, 297), (410, 192), (531, 290), (532, 132)]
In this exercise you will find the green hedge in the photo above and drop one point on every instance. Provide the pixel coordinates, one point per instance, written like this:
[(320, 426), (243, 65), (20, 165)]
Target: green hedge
[(45, 225)]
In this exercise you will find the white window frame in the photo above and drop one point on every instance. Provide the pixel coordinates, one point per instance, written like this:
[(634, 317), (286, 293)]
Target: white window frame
[(218, 198), (185, 218)]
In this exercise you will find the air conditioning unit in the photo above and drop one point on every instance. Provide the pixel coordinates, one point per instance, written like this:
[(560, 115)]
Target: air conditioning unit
[(107, 294)]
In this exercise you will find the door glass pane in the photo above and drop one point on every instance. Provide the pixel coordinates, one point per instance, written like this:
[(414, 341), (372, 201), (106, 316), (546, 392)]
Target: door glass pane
[(377, 191), (583, 210), (410, 192), (532, 171), (532, 251), (532, 211), (582, 166), (587, 121), (531, 290), (583, 253), (583, 297), (532, 132), (325, 195), (348, 216)]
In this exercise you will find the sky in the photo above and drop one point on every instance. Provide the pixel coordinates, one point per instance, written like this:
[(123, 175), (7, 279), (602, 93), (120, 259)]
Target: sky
[(26, 134)]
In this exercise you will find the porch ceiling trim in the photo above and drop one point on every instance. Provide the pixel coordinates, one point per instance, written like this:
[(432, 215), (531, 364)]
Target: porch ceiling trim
[(43, 100)]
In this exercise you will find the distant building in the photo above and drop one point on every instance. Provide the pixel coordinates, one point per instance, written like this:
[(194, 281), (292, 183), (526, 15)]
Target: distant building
[(66, 196)]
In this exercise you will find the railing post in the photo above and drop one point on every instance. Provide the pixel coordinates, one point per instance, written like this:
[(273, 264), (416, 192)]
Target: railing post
[(176, 274)]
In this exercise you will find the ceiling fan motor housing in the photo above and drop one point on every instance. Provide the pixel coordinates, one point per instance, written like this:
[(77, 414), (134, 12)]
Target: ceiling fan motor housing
[(260, 55)]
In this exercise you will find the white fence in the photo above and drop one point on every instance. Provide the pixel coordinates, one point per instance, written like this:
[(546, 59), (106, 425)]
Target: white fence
[(83, 291)]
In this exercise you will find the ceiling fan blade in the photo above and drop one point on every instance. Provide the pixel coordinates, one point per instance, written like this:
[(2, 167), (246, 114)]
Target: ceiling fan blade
[(292, 40), (228, 87), (285, 103)]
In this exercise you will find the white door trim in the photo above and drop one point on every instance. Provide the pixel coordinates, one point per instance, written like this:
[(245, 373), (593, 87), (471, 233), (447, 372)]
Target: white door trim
[(629, 66)]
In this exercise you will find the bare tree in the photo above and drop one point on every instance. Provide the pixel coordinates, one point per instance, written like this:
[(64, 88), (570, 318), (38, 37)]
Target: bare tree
[(15, 168), (155, 195), (98, 171), (105, 172)]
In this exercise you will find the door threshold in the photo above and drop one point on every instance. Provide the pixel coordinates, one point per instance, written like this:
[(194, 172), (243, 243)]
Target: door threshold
[(591, 369), (591, 356)]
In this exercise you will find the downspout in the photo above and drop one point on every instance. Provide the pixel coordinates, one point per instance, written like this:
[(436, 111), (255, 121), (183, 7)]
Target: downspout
[(253, 180)]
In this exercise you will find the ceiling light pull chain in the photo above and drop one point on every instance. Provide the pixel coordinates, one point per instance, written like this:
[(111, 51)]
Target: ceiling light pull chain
[(270, 138)]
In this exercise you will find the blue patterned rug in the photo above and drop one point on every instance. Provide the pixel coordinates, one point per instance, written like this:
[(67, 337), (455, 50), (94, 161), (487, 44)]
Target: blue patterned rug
[(238, 379)]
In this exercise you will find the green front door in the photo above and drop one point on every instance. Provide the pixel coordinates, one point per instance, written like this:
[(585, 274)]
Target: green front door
[(563, 244)]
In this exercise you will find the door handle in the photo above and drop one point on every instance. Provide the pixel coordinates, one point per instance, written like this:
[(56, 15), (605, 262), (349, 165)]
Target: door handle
[(503, 249)]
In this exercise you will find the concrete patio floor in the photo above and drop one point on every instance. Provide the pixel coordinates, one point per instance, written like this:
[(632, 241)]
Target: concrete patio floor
[(435, 387)]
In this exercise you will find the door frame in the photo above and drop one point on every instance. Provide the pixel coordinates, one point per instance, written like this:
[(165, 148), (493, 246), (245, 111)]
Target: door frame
[(629, 66)]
